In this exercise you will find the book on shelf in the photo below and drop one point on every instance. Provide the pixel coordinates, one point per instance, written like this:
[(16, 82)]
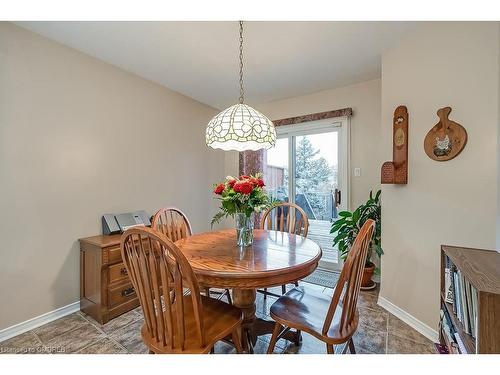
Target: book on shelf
[(456, 297), (464, 320), (468, 290), (466, 306), (448, 297), (474, 310), (460, 343), (448, 331), (462, 296), (453, 289)]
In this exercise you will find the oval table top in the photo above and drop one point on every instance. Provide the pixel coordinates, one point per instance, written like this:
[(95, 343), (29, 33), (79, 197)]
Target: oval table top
[(275, 258)]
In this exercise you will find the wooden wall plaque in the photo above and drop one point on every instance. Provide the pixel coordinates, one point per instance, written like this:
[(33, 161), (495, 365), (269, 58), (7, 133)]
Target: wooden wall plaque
[(396, 171), (446, 139)]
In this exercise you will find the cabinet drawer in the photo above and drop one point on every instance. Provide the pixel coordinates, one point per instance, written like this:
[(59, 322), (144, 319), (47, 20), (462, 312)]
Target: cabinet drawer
[(117, 272), (114, 255), (121, 294)]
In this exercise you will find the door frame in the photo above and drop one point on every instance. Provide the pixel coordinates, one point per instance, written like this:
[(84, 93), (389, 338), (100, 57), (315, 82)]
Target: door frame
[(339, 124), (342, 126)]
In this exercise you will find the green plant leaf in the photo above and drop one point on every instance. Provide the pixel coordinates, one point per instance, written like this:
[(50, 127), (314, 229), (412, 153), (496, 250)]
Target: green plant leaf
[(345, 214), (217, 218), (339, 238), (347, 227), (356, 214), (378, 250), (337, 225)]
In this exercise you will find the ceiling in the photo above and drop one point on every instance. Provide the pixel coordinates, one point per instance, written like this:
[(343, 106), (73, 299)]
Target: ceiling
[(200, 59)]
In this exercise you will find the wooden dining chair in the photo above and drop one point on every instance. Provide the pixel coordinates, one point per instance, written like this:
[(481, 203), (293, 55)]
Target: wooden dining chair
[(175, 322), (174, 223), (332, 320), (285, 217)]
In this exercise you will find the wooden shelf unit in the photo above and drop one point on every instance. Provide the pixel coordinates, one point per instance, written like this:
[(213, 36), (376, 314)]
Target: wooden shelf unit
[(481, 268)]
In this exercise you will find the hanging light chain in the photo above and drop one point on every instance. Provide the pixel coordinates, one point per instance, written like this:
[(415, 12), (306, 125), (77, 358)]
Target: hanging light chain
[(228, 130), (241, 63)]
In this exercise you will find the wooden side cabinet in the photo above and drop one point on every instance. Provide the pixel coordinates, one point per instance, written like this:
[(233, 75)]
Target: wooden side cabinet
[(105, 288), (480, 269)]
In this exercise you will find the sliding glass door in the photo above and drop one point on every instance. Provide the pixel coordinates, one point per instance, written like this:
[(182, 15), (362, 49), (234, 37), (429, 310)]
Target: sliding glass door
[(308, 167)]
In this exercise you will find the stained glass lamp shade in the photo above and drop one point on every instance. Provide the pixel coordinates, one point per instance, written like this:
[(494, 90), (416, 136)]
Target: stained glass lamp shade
[(240, 128)]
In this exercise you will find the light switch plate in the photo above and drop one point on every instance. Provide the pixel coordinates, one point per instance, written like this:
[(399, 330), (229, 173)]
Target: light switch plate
[(357, 172)]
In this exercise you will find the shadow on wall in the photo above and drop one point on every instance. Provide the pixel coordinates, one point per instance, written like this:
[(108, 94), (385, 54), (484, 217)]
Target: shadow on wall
[(406, 297), (65, 292)]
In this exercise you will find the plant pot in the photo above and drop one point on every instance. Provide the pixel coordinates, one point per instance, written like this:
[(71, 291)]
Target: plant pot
[(366, 280)]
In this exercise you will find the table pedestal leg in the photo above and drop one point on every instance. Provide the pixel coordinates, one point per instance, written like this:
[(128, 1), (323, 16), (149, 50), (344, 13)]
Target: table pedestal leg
[(245, 300)]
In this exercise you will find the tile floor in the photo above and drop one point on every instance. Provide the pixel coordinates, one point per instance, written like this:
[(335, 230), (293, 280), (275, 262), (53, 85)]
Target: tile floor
[(378, 332)]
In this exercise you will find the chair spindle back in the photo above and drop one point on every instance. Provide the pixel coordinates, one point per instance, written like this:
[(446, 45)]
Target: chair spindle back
[(160, 273), (286, 217), (349, 284), (172, 222)]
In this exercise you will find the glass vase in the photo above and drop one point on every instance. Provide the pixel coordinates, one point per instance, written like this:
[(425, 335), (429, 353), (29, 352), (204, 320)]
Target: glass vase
[(244, 229)]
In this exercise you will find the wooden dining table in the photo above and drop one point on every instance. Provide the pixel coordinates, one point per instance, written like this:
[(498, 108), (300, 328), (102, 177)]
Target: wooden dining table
[(275, 258)]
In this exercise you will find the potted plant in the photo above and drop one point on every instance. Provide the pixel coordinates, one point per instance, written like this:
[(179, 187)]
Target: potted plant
[(347, 227), (241, 198)]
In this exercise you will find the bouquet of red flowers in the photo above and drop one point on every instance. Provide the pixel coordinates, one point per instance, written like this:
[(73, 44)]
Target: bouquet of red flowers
[(243, 195)]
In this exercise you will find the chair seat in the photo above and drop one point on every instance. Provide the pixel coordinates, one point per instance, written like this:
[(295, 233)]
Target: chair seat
[(219, 319), (306, 311)]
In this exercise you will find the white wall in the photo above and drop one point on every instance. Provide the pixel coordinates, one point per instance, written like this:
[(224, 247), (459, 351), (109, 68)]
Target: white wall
[(364, 99), (79, 138), (455, 202)]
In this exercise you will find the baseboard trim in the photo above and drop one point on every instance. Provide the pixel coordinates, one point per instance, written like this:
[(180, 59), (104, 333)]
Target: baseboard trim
[(38, 321), (413, 322)]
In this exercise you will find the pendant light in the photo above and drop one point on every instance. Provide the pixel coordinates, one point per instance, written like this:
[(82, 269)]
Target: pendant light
[(240, 127)]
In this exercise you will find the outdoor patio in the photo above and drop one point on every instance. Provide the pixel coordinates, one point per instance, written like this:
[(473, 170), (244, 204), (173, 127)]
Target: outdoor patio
[(319, 231)]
